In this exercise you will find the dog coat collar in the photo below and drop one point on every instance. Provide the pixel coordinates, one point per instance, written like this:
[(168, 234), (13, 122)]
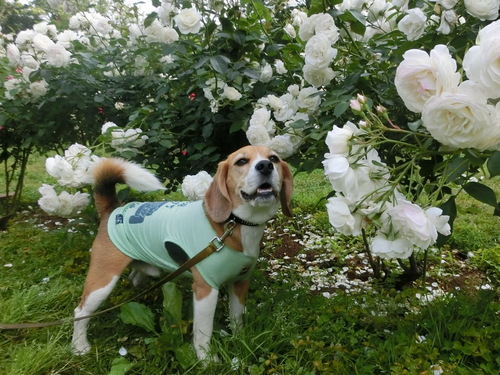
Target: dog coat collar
[(166, 234)]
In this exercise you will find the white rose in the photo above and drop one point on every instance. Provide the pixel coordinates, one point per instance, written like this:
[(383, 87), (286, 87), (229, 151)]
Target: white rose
[(59, 168), (410, 220), (294, 90), (317, 77), (165, 12), (282, 145), (420, 76), (266, 73), (100, 24), (440, 221), (42, 42), (25, 37), (195, 186), (108, 125), (448, 20), (325, 25), (480, 60), (306, 29), (49, 202), (462, 120), (337, 140), (413, 24), (298, 17), (38, 88), (13, 54), (318, 52), (231, 93), (400, 247), (341, 218), (352, 5), (309, 99), (75, 153), (157, 33), (258, 135), (29, 61), (11, 84), (280, 67), (290, 30), (287, 108), (483, 9), (70, 204), (447, 4), (58, 56), (262, 117), (336, 166), (188, 21)]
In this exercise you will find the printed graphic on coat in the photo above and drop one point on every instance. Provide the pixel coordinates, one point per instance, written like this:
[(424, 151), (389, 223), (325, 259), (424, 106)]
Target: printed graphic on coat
[(145, 209), (149, 208)]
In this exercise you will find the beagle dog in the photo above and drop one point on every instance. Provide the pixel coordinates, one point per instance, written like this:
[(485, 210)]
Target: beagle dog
[(247, 189)]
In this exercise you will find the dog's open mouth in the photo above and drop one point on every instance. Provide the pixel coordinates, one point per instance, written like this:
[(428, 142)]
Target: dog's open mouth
[(263, 191)]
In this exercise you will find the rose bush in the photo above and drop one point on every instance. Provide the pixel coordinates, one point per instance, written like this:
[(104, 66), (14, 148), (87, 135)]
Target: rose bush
[(180, 87)]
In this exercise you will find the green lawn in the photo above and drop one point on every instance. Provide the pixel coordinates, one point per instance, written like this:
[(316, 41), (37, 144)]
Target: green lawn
[(314, 307)]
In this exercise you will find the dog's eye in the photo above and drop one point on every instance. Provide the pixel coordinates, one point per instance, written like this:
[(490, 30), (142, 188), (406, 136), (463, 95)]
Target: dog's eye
[(241, 161), (274, 159)]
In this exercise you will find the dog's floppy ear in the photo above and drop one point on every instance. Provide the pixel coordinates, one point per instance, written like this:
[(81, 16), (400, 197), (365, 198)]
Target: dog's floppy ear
[(217, 200), (286, 190)]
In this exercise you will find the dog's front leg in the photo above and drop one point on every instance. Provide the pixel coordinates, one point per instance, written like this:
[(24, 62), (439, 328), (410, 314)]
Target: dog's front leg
[(205, 302), (237, 295)]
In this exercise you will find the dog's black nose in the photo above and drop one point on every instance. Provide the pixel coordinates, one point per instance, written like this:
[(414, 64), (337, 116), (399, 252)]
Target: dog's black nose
[(265, 167)]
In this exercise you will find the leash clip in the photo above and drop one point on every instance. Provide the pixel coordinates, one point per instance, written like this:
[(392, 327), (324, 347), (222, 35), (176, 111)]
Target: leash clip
[(228, 230)]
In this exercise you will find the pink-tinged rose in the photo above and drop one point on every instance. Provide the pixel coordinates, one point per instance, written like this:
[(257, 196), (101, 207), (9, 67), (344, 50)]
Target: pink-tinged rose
[(420, 76)]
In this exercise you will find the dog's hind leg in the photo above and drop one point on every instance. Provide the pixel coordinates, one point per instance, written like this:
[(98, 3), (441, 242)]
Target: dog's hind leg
[(105, 268)]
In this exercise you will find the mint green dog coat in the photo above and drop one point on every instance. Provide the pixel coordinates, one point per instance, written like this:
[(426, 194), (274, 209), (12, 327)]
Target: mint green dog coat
[(159, 232)]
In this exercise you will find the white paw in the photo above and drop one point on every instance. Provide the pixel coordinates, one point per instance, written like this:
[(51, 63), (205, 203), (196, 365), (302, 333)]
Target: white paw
[(80, 347), (205, 357)]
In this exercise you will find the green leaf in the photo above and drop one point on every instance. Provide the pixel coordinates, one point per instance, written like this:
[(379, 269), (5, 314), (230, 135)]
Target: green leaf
[(149, 19), (172, 301), (139, 315), (482, 193), (474, 158), (120, 366), (185, 355), (340, 109), (219, 63), (455, 168), (356, 20), (493, 164), (262, 11)]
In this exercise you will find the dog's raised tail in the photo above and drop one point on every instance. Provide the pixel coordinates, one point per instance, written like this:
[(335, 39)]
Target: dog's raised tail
[(111, 171)]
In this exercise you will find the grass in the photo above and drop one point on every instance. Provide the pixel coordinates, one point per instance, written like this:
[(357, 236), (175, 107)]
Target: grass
[(313, 309)]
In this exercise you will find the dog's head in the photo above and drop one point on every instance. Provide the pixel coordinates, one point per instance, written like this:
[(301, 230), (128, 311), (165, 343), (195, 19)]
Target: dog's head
[(250, 183)]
